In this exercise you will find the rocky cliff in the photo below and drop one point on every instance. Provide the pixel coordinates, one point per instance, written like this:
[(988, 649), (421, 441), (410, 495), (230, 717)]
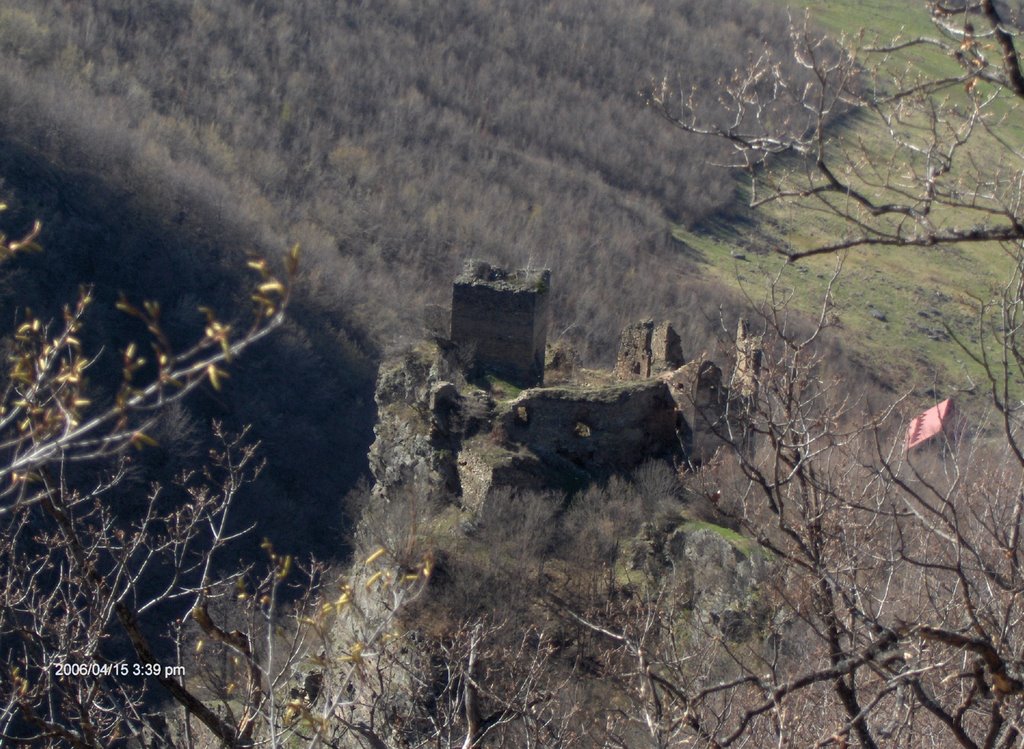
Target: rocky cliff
[(420, 423)]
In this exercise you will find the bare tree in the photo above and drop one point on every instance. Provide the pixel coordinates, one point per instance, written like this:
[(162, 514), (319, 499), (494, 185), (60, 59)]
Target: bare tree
[(948, 171), (892, 611), (83, 580), (139, 628), (893, 608)]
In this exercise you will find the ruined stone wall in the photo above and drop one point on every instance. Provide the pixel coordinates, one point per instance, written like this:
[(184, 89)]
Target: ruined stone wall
[(666, 349), (646, 350), (703, 403), (500, 319), (748, 362), (634, 358), (601, 430), (712, 412)]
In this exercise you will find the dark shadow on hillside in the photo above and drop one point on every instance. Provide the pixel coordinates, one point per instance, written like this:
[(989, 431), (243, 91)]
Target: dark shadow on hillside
[(307, 391)]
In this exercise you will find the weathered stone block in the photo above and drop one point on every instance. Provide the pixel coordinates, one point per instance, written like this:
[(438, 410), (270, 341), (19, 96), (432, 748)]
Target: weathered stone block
[(634, 358), (666, 349), (703, 402), (748, 362), (645, 350)]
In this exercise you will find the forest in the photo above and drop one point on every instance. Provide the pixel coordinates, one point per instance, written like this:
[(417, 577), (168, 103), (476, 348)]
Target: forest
[(391, 139)]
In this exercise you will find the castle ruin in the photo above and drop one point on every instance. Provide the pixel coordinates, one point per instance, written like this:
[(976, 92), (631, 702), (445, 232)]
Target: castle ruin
[(500, 321), (467, 439), (703, 404), (748, 362)]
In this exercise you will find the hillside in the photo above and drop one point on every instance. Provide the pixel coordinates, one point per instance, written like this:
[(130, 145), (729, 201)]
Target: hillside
[(899, 313), (459, 526), (101, 234), (394, 140)]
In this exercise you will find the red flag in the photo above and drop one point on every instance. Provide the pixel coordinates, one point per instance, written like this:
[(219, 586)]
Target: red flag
[(931, 422)]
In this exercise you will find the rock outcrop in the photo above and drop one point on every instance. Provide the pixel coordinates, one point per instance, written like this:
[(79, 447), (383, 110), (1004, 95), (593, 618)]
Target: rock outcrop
[(717, 572), (418, 424)]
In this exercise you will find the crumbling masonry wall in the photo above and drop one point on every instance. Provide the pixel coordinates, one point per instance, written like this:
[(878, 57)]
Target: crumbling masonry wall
[(703, 402), (500, 320), (646, 350), (712, 413), (601, 430)]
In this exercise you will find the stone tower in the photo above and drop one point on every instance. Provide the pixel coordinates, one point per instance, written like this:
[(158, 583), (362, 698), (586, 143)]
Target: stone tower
[(500, 319)]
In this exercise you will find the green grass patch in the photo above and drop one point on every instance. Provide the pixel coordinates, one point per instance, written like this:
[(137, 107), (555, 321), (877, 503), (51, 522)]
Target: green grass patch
[(501, 389), (738, 541)]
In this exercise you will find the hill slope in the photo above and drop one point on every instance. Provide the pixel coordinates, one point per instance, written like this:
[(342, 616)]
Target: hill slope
[(160, 144), (396, 139)]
